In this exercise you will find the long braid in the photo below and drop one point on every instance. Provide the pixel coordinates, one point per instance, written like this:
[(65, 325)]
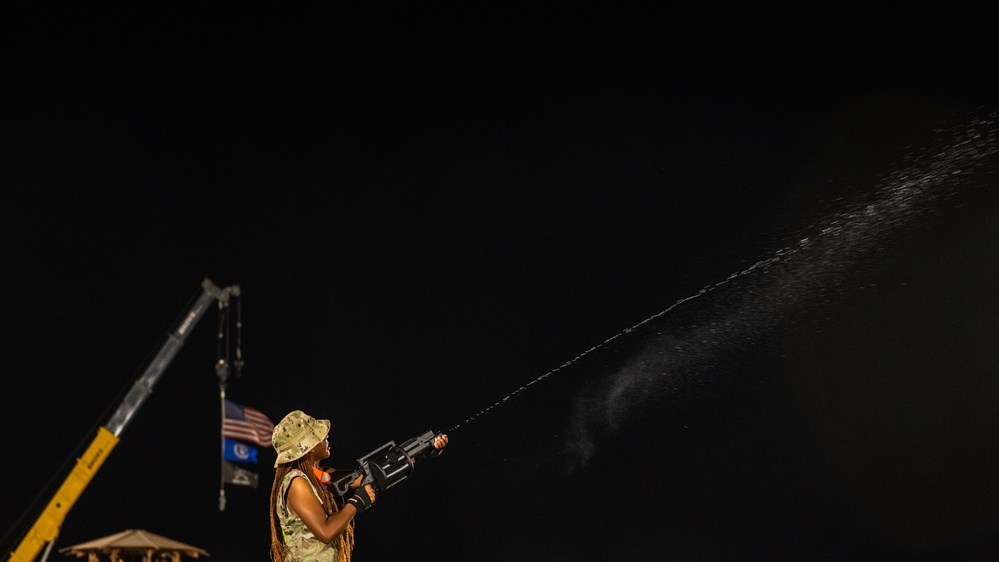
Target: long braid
[(345, 540), (277, 545)]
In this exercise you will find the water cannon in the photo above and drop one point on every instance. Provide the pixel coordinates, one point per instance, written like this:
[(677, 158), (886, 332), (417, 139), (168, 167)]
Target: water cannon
[(387, 465)]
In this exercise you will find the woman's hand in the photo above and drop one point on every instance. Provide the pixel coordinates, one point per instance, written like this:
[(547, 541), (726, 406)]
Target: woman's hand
[(363, 498)]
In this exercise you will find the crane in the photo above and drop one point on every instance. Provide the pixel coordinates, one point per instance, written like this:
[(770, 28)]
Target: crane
[(46, 527)]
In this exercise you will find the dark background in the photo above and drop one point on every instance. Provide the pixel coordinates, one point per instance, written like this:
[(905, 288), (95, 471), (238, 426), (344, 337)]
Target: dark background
[(423, 218)]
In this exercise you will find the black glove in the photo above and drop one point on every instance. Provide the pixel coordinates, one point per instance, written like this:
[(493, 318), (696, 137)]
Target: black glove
[(360, 500)]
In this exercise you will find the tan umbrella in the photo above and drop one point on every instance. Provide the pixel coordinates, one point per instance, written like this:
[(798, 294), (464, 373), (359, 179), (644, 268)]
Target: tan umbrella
[(133, 545)]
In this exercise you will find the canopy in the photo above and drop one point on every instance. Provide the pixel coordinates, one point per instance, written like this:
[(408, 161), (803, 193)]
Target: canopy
[(134, 544)]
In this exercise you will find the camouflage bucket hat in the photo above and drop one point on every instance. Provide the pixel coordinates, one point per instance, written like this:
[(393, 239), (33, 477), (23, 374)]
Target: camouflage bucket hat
[(296, 435)]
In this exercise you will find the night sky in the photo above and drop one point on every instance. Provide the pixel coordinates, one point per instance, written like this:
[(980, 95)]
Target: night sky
[(675, 295)]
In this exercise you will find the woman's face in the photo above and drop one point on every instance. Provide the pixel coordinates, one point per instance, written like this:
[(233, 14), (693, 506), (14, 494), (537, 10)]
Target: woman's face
[(320, 451)]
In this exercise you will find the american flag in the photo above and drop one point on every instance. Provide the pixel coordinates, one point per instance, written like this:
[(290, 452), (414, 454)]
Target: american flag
[(246, 424)]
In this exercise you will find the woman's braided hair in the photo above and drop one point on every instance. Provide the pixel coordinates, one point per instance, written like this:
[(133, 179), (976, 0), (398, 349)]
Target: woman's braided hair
[(345, 540)]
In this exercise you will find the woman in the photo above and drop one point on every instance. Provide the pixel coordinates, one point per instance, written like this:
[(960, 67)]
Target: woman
[(307, 523)]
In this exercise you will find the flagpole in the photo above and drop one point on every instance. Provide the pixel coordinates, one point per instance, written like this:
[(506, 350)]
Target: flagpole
[(222, 447), (222, 372)]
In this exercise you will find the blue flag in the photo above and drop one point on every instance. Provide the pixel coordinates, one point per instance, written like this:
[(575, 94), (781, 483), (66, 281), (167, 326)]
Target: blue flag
[(239, 452)]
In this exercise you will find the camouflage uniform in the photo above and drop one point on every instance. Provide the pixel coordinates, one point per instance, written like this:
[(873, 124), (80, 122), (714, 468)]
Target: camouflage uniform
[(300, 545)]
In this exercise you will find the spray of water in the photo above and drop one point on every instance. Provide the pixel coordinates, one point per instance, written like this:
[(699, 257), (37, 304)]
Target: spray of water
[(814, 269), (753, 300)]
